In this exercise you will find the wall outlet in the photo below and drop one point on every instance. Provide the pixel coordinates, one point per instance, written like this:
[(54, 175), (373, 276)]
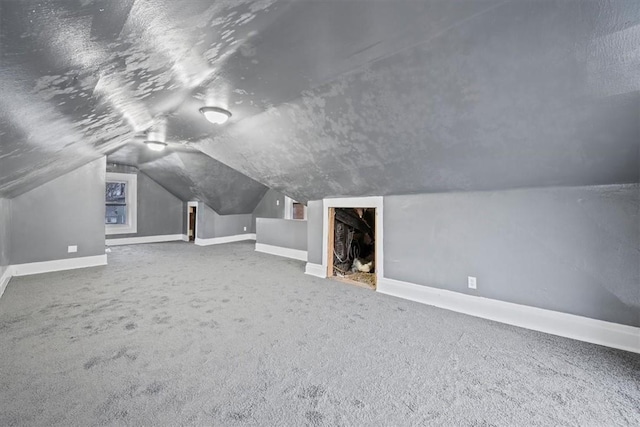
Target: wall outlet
[(72, 249), (278, 202), (245, 229), (472, 282)]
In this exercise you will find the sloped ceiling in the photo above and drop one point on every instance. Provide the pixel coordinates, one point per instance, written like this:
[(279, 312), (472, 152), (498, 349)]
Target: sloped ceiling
[(328, 98), (192, 175), (81, 78), (470, 96)]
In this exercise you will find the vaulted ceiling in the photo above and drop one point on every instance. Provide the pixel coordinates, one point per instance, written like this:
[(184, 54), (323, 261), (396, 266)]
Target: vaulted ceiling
[(328, 98)]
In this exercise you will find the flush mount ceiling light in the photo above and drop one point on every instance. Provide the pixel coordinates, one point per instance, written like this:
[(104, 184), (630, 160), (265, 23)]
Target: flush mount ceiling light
[(215, 115), (156, 145)]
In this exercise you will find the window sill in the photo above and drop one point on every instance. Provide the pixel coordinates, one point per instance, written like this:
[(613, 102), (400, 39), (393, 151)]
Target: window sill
[(124, 229)]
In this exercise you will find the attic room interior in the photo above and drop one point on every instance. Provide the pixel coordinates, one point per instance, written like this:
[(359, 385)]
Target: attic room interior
[(320, 212)]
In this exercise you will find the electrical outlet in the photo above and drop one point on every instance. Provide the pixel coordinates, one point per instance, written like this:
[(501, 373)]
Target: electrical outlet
[(72, 249), (245, 229), (472, 282), (277, 202)]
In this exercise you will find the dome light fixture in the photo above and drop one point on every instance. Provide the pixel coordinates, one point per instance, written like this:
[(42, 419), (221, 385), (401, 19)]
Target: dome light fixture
[(215, 115), (156, 145)]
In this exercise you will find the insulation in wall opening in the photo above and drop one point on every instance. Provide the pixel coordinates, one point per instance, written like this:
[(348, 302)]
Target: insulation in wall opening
[(352, 245)]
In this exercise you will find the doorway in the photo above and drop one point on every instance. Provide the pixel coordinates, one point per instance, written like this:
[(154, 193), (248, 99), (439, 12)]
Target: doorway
[(352, 246), (192, 223), (192, 217)]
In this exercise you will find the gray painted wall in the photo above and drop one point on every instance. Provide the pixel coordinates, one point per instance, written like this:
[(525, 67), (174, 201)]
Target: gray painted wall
[(205, 221), (5, 226), (185, 218), (286, 233), (314, 232), (196, 176), (271, 206), (230, 225), (159, 211), (66, 211), (574, 250), (210, 224)]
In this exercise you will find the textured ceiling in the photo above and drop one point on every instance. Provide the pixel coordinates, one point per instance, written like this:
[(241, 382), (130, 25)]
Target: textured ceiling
[(80, 78), (192, 175), (328, 98), (482, 95)]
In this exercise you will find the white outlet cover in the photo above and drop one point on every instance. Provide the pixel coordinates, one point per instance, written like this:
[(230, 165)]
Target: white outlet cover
[(277, 202), (245, 229), (72, 249), (472, 282)]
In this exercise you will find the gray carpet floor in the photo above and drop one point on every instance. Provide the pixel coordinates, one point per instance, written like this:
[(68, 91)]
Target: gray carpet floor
[(174, 334)]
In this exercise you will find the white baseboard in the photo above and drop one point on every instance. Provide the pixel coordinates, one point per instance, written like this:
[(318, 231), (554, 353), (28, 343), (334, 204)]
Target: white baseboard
[(552, 322), (58, 265), (315, 270), (225, 239), (280, 251), (145, 239), (185, 238), (4, 279)]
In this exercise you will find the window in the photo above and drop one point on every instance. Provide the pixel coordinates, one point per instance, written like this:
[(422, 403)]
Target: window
[(120, 203), (299, 211), (116, 200), (293, 209)]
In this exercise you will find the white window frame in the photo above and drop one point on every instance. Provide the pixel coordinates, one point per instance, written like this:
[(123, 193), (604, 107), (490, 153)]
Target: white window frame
[(288, 209), (131, 180)]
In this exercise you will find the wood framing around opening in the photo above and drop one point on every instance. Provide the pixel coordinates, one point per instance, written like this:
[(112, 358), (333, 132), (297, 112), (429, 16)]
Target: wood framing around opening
[(328, 224), (353, 282), (195, 226), (334, 216), (330, 243)]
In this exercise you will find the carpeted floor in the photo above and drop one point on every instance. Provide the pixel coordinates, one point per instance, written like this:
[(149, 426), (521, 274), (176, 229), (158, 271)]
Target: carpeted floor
[(174, 334)]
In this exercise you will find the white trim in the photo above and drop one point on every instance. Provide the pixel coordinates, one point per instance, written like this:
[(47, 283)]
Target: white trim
[(195, 225), (288, 207), (6, 277), (281, 251), (131, 227), (594, 331), (315, 270), (58, 265), (144, 239), (355, 202), (225, 239), (185, 238)]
